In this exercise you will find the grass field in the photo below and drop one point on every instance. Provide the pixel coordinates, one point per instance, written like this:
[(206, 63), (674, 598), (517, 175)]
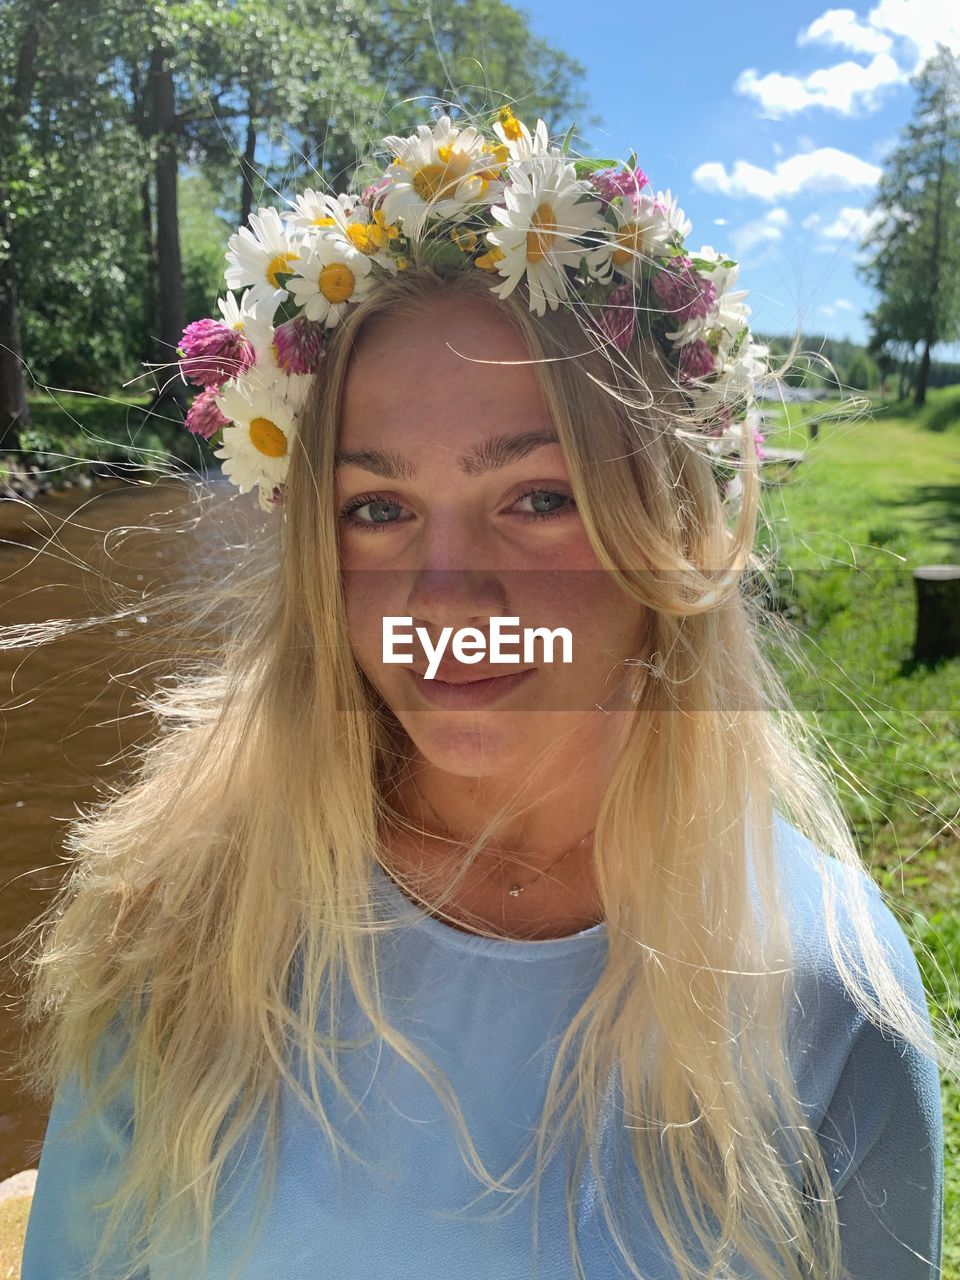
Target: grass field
[(876, 497)]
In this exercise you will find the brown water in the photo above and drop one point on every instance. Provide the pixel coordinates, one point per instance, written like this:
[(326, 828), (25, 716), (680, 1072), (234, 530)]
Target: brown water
[(67, 710)]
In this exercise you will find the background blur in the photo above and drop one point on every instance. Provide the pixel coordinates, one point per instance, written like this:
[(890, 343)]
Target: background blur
[(820, 146)]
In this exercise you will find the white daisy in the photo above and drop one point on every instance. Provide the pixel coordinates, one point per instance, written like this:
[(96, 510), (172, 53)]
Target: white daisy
[(256, 448), (330, 274), (516, 137), (316, 209), (366, 230), (258, 257), (646, 233), (545, 210), (436, 173)]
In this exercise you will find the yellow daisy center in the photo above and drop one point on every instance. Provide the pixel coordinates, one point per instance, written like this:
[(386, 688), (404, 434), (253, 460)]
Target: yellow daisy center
[(267, 437), (630, 238), (542, 233), (428, 180), (280, 266), (337, 282), (324, 222), (431, 181)]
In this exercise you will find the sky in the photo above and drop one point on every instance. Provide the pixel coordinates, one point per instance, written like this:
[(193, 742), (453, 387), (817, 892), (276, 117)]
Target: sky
[(769, 121)]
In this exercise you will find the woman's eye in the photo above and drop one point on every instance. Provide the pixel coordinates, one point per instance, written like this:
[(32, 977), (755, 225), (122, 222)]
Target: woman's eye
[(537, 497), (381, 511)]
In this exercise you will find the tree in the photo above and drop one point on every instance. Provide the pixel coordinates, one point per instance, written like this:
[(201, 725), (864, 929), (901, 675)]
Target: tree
[(914, 261), (16, 94), (111, 119)]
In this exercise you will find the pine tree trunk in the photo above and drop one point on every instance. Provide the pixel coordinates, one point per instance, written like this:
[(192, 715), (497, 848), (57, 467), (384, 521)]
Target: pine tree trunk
[(14, 409), (169, 266), (249, 159), (923, 377)]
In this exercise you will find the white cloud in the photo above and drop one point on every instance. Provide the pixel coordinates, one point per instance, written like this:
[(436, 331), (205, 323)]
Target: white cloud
[(765, 230), (909, 29), (827, 311), (843, 88), (842, 27), (842, 304), (850, 224), (719, 222), (826, 169), (924, 23)]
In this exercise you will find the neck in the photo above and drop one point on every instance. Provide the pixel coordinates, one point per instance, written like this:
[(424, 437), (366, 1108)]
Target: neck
[(534, 850)]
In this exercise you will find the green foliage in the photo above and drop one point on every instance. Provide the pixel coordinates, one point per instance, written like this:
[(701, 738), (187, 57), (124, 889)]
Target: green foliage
[(300, 89), (914, 247), (862, 372)]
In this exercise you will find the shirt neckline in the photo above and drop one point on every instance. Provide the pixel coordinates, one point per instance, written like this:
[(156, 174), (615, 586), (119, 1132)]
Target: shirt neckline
[(504, 948)]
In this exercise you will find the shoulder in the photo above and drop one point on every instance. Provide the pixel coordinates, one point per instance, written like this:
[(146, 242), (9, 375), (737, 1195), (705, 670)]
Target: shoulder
[(839, 1051), (811, 880)]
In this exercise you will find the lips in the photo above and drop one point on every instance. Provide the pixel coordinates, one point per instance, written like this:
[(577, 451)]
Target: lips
[(457, 674)]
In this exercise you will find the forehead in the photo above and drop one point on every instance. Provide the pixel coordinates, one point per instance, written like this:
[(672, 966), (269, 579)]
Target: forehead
[(453, 361)]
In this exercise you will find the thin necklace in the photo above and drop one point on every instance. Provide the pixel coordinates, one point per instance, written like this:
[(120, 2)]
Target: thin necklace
[(516, 889)]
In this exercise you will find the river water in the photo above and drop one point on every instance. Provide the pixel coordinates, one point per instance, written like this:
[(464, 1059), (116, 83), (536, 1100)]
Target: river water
[(67, 709)]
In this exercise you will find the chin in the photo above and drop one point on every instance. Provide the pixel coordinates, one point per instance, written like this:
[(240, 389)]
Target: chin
[(476, 747)]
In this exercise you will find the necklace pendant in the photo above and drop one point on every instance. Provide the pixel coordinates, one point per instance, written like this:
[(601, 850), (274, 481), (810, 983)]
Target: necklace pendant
[(515, 892)]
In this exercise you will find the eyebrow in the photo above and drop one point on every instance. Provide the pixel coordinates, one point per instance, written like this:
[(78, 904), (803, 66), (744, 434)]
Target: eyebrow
[(490, 455)]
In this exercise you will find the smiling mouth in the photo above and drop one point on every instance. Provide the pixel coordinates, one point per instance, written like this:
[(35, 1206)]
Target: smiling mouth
[(483, 678)]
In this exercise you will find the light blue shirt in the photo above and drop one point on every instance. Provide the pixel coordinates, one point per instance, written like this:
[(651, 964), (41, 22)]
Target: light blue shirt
[(489, 1012)]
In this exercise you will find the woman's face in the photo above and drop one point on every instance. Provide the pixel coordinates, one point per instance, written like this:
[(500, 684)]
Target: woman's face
[(455, 507)]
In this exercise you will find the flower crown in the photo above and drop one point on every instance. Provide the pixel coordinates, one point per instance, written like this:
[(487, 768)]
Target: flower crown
[(573, 231)]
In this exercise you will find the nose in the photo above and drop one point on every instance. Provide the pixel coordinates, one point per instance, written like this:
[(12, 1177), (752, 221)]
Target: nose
[(445, 597), (453, 578)]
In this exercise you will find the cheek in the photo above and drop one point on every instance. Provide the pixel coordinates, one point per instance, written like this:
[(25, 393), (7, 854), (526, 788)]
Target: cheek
[(366, 599)]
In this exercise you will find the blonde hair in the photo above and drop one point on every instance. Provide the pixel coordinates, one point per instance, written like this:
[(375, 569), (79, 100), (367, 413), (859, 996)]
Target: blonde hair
[(243, 847)]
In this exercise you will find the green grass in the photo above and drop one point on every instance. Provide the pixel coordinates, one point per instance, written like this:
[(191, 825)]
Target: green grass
[(876, 496)]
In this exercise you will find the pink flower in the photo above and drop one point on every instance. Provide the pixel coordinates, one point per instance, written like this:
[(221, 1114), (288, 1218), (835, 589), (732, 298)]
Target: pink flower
[(204, 417), (758, 439), (722, 421), (299, 345), (696, 361), (618, 319), (371, 195), (611, 183), (685, 294), (276, 498), (214, 352)]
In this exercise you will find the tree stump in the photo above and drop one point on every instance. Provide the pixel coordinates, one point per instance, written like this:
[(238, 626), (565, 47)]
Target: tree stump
[(938, 612)]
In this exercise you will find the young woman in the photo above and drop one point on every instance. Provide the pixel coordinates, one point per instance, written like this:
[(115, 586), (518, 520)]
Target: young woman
[(396, 959)]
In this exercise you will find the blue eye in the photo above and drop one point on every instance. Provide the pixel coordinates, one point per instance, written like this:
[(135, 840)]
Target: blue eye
[(568, 504), (378, 505), (381, 507)]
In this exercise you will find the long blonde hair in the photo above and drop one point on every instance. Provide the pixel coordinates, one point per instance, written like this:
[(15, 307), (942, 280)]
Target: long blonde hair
[(244, 845)]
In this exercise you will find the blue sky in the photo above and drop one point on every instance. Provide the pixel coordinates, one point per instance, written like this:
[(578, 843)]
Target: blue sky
[(769, 121)]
